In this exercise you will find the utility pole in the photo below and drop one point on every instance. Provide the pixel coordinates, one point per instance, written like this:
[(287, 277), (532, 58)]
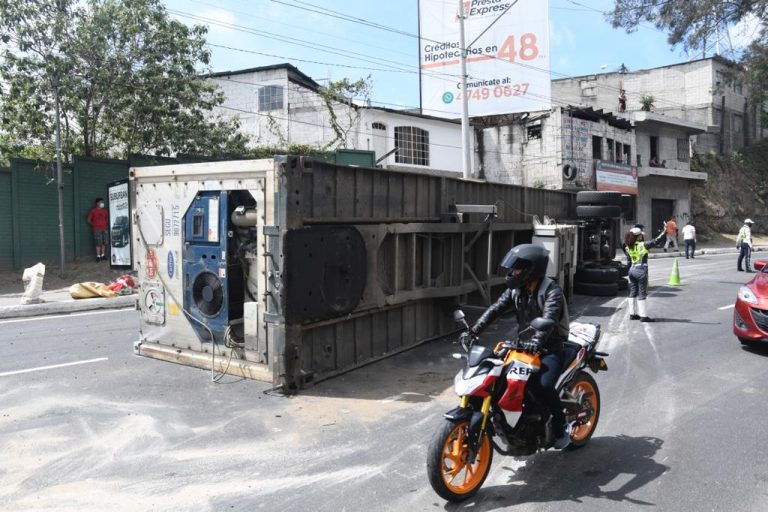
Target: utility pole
[(465, 133), (59, 177)]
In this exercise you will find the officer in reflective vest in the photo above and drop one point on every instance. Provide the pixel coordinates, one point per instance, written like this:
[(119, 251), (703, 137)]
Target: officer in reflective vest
[(636, 249), (744, 245)]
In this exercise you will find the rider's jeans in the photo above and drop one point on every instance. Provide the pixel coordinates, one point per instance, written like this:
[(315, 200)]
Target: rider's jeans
[(545, 381)]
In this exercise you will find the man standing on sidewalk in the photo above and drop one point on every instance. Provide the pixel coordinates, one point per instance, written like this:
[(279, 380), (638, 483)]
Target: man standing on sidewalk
[(744, 245), (99, 221), (689, 238)]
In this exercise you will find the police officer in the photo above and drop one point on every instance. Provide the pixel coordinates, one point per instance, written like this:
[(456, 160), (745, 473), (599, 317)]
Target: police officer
[(636, 249), (744, 245), (531, 294)]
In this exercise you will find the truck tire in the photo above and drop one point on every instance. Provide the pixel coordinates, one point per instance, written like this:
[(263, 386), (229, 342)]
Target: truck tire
[(621, 267), (591, 211), (596, 290), (598, 275), (598, 198)]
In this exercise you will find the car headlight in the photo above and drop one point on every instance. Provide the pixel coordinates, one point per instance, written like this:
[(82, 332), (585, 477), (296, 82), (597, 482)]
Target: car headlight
[(747, 295)]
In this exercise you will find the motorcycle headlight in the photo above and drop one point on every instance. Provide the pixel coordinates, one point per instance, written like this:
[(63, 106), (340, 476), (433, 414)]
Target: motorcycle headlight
[(747, 295)]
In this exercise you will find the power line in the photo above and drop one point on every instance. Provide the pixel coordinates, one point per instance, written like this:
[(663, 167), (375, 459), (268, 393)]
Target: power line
[(293, 27), (395, 66), (338, 15)]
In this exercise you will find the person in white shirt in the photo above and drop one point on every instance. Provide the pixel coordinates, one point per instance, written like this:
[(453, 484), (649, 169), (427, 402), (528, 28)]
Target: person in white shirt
[(689, 238), (744, 245)]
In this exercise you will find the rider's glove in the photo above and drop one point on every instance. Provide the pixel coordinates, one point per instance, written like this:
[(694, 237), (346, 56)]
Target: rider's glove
[(466, 340), (532, 346)]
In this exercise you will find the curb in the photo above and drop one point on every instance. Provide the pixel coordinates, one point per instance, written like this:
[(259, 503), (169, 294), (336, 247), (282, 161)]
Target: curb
[(69, 306), (714, 250)]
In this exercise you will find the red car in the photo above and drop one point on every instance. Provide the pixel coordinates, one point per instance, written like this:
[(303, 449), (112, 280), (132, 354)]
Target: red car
[(750, 316)]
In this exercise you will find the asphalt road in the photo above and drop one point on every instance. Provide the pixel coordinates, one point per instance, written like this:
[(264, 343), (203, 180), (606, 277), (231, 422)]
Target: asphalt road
[(86, 425)]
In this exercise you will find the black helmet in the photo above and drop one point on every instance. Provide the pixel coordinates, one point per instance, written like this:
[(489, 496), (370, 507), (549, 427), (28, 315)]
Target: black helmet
[(531, 260)]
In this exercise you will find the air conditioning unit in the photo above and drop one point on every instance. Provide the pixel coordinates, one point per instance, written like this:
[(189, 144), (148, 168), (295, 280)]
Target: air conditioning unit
[(207, 271)]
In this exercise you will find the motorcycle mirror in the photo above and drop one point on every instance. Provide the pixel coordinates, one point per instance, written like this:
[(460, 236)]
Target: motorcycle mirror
[(458, 316), (458, 356)]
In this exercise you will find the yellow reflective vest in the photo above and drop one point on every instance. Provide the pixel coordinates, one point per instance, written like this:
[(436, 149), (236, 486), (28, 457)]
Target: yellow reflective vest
[(638, 252)]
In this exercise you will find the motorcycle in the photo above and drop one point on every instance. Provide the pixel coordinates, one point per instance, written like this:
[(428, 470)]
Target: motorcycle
[(497, 405)]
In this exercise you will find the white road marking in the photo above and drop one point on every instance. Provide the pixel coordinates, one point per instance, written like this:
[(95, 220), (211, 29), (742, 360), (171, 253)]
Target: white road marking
[(729, 306), (63, 365), (50, 317)]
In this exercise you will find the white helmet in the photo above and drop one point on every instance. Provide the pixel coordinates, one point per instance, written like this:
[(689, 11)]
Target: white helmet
[(636, 231), (748, 221)]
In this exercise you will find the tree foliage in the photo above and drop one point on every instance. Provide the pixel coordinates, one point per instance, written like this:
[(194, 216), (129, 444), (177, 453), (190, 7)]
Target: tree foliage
[(127, 76), (339, 98), (695, 24), (692, 24)]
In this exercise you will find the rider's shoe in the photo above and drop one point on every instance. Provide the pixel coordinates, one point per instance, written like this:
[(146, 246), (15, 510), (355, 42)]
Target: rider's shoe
[(563, 441)]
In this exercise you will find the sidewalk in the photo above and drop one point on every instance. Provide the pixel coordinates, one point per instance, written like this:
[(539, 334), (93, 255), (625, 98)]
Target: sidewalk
[(56, 298), (59, 302), (659, 253)]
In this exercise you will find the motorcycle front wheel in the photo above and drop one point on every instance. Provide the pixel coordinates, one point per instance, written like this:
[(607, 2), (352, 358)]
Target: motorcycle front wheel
[(452, 477), (583, 384)]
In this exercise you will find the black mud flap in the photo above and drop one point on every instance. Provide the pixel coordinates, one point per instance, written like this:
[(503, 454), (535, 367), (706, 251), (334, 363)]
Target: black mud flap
[(325, 272), (458, 414)]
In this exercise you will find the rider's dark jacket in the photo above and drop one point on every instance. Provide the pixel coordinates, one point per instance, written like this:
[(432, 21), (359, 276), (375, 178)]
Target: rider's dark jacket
[(526, 305)]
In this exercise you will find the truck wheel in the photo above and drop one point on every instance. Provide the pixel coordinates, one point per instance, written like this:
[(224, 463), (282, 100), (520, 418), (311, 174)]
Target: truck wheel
[(591, 211), (598, 198), (596, 290), (599, 275)]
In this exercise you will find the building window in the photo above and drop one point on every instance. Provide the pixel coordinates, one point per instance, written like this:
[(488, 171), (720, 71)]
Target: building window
[(627, 154), (270, 98), (719, 78), (738, 88), (412, 145), (597, 148), (379, 126), (738, 123), (717, 117), (683, 151), (533, 131), (609, 145), (619, 150)]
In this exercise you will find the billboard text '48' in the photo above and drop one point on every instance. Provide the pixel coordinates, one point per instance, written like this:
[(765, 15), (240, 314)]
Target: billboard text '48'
[(528, 49)]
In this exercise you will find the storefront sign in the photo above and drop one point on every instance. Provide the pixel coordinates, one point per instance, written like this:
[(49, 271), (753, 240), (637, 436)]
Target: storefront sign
[(616, 178)]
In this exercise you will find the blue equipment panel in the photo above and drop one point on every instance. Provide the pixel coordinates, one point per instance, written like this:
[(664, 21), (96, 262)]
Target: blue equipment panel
[(205, 264)]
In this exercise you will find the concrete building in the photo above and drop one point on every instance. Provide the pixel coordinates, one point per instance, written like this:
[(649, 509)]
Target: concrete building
[(708, 92), (663, 163), (279, 105), (555, 149)]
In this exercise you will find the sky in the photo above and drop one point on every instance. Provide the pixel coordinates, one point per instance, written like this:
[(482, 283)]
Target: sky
[(250, 33)]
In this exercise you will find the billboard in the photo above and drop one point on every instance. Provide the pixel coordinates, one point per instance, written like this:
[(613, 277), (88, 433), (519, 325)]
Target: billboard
[(507, 65), (616, 177), (119, 225)]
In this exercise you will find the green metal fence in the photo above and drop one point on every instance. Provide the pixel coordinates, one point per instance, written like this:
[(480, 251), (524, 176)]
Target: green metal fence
[(6, 219), (29, 215)]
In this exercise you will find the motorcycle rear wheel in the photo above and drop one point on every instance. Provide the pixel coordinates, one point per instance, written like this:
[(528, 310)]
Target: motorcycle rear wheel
[(584, 383), (450, 475)]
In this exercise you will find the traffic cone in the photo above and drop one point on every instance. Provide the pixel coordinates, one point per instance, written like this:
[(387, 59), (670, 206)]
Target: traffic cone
[(674, 279)]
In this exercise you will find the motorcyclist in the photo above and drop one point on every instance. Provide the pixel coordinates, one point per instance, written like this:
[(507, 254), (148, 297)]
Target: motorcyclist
[(530, 294)]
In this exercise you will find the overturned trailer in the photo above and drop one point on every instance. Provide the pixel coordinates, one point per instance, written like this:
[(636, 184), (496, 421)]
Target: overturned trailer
[(291, 270)]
